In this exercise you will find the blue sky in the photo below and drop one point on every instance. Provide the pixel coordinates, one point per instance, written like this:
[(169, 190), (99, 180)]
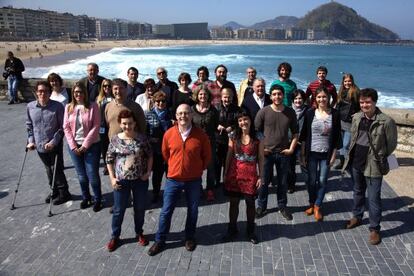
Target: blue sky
[(396, 15)]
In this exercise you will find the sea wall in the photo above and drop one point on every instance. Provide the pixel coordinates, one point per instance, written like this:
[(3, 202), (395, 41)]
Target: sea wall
[(403, 117)]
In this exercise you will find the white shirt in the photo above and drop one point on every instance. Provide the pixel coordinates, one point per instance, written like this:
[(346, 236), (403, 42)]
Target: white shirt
[(143, 101), (259, 101), (186, 133)]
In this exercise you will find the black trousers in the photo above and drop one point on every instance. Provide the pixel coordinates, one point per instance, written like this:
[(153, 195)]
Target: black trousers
[(48, 160)]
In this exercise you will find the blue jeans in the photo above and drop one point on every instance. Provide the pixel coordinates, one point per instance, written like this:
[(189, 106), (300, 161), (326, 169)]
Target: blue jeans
[(139, 189), (13, 84), (346, 141), (373, 184), (282, 164), (318, 171), (172, 192), (87, 168)]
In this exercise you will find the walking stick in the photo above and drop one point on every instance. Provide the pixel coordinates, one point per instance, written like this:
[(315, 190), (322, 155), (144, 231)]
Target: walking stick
[(18, 182), (53, 185)]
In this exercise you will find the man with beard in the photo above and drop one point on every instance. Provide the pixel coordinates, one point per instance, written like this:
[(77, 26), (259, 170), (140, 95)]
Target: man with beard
[(252, 103), (221, 82), (321, 74), (275, 121), (284, 70), (92, 81), (165, 85), (246, 86), (134, 88)]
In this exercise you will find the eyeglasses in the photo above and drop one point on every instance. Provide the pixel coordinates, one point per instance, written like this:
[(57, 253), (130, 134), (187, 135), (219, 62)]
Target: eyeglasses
[(106, 85), (161, 73), (184, 113), (160, 101)]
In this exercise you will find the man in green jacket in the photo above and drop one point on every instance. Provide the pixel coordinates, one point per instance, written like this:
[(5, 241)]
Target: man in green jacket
[(373, 139)]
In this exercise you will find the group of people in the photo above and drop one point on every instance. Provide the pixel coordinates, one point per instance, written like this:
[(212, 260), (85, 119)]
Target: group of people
[(238, 136)]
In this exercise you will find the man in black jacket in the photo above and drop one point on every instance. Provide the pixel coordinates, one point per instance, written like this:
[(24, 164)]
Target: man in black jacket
[(165, 85), (92, 81), (252, 103), (13, 68)]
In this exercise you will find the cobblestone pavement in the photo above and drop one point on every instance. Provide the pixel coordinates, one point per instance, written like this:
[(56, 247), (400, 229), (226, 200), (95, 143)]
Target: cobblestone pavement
[(73, 241)]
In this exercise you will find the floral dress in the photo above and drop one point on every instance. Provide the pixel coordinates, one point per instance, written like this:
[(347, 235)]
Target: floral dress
[(242, 175), (130, 159)]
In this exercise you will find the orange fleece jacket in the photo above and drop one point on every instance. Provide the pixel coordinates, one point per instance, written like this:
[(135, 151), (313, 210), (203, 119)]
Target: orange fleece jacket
[(186, 160)]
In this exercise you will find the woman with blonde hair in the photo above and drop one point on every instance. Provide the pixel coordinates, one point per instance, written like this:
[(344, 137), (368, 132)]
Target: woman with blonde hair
[(81, 126), (348, 105)]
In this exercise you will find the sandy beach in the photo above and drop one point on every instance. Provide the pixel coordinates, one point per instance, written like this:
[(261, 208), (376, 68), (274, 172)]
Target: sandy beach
[(30, 50)]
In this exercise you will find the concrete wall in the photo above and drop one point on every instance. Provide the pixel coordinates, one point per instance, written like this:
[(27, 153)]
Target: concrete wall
[(403, 117)]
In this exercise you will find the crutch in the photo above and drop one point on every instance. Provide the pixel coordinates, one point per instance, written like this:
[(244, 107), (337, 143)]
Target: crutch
[(53, 186), (18, 182)]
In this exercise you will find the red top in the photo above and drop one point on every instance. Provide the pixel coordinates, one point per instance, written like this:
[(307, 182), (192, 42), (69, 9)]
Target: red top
[(186, 160), (311, 90)]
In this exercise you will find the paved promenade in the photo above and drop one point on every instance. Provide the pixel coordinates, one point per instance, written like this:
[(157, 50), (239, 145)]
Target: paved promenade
[(73, 241)]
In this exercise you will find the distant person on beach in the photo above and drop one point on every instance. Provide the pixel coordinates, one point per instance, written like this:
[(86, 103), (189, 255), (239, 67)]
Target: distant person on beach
[(92, 81), (81, 126), (119, 103), (186, 148), (44, 125), (183, 94), (59, 92), (348, 105), (276, 121), (129, 160), (321, 73), (246, 85), (320, 139), (227, 123), (373, 139), (243, 175), (205, 116), (104, 97), (134, 88), (284, 70), (165, 85), (145, 99), (159, 120), (221, 82), (252, 103), (13, 68), (202, 76)]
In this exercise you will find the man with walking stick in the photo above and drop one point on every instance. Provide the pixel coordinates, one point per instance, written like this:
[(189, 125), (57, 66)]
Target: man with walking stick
[(45, 132)]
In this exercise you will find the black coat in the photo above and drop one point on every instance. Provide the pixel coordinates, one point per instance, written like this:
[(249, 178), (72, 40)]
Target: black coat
[(250, 105), (14, 67), (335, 137)]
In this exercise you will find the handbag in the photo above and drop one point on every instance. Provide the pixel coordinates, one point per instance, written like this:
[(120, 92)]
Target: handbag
[(382, 163)]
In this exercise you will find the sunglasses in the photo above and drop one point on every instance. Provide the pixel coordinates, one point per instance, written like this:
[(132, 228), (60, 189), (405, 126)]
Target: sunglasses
[(161, 73), (106, 85)]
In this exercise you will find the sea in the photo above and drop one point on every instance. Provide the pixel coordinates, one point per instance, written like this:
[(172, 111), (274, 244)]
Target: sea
[(387, 68)]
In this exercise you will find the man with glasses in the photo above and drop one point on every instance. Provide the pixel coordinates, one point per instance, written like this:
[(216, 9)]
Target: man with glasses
[(92, 81), (165, 85), (186, 148), (134, 88), (44, 125), (246, 86)]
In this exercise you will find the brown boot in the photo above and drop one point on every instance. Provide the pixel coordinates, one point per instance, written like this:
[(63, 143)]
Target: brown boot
[(374, 237), (309, 211), (317, 213), (353, 222)]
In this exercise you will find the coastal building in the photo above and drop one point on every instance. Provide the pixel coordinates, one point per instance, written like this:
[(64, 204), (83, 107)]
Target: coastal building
[(273, 34), (296, 34), (12, 23), (222, 33), (315, 34), (191, 31), (163, 30)]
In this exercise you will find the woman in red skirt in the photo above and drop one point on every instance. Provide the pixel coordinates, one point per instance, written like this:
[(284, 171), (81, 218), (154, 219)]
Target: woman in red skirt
[(244, 166)]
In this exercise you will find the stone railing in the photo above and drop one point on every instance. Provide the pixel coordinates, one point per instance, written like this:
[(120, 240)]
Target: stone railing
[(403, 117)]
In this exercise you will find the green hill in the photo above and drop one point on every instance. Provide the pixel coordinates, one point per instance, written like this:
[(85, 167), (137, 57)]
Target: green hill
[(341, 22)]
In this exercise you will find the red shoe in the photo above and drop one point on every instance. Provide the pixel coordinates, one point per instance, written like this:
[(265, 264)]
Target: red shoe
[(210, 195), (142, 240), (112, 244)]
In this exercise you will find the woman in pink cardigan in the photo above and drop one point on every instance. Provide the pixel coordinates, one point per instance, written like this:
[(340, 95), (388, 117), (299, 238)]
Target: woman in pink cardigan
[(81, 125)]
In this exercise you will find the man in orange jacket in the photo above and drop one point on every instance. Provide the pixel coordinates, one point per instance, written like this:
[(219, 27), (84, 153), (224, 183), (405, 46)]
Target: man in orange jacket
[(186, 148)]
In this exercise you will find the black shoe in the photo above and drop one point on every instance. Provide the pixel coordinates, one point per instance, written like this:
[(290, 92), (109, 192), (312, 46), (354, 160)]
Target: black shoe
[(54, 195), (156, 248), (286, 214), (252, 238), (97, 206), (260, 212), (10, 102), (190, 245), (291, 190), (85, 203), (63, 197)]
